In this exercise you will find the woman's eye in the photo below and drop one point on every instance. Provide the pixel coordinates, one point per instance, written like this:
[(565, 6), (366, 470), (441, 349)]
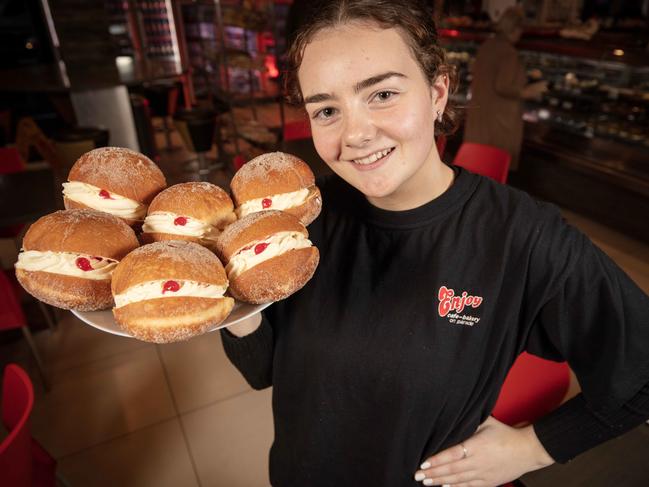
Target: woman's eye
[(325, 113), (384, 95)]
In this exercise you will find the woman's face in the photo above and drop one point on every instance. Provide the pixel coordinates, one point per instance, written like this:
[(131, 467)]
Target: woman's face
[(372, 110)]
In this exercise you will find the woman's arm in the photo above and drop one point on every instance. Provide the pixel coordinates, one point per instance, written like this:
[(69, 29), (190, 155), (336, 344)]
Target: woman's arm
[(575, 427), (249, 345), (498, 453)]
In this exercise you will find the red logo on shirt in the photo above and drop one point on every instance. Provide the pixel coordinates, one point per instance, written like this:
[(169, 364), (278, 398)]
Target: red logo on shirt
[(449, 301)]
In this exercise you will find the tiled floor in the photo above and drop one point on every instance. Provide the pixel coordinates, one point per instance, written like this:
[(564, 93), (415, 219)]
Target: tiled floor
[(125, 413)]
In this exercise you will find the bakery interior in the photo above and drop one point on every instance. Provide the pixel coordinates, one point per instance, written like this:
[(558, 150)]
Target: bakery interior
[(196, 86)]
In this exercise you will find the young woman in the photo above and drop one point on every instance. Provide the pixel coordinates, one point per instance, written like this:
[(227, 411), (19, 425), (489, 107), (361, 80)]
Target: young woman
[(386, 366)]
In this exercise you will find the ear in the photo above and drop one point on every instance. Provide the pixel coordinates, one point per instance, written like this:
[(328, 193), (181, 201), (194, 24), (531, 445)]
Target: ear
[(439, 93)]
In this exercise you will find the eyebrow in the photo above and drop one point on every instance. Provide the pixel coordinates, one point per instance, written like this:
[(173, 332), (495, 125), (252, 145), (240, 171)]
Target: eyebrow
[(360, 86)]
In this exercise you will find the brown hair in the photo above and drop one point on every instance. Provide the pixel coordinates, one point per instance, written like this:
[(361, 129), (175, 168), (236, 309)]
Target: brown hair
[(411, 17)]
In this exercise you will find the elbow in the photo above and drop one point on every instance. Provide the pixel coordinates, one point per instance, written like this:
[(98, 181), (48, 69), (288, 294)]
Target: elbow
[(259, 382)]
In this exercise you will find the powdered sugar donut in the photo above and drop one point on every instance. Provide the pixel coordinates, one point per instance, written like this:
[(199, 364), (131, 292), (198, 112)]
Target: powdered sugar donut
[(268, 256), (170, 291), (277, 181), (68, 258), (197, 212), (114, 180)]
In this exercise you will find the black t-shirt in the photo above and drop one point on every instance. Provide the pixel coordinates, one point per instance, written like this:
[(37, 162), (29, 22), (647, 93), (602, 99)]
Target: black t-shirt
[(398, 346)]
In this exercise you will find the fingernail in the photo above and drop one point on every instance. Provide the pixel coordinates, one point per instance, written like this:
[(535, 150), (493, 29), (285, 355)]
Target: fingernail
[(428, 482), (420, 476), (425, 465)]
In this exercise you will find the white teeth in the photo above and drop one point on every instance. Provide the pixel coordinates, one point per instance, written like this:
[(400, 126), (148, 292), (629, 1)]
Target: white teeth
[(372, 157)]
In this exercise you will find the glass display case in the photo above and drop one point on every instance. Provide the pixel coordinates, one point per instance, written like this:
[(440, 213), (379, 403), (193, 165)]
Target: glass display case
[(230, 47), (586, 97)]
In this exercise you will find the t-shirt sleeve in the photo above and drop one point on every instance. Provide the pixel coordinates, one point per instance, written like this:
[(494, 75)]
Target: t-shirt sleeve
[(252, 354), (589, 313), (598, 321), (575, 427)]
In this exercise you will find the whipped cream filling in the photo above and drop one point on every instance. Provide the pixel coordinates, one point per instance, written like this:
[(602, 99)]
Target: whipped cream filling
[(167, 222), (262, 250), (67, 263), (168, 289), (280, 201), (103, 200)]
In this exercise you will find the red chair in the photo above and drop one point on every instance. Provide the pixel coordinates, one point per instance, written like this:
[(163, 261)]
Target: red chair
[(533, 387), (12, 317), (10, 162), (299, 129), (484, 159), (23, 462)]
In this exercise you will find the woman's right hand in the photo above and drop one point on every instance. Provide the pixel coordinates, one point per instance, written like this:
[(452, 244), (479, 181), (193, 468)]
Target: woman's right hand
[(247, 326), (533, 91)]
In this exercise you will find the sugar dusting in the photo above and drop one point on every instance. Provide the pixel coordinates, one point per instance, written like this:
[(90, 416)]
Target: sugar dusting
[(124, 168), (262, 167), (176, 252), (70, 221), (186, 195)]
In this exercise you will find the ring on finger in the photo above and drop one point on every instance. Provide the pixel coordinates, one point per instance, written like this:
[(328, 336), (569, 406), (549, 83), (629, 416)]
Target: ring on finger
[(465, 452)]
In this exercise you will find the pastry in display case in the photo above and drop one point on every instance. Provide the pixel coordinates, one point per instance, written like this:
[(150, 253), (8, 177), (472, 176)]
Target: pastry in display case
[(586, 97)]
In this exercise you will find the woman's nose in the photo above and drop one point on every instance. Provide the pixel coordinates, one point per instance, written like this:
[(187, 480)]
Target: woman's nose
[(359, 129)]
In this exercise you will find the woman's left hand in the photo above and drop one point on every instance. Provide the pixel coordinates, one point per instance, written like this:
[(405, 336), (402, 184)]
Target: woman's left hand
[(494, 455)]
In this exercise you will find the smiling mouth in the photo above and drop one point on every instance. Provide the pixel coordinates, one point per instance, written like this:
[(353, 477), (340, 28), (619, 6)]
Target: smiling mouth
[(372, 158)]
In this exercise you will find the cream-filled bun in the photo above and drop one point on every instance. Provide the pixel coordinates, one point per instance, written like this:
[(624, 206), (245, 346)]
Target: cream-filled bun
[(68, 258), (114, 180), (197, 212), (268, 256), (276, 181), (170, 291)]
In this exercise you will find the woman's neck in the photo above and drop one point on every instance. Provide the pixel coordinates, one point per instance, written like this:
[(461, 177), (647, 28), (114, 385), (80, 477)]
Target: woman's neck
[(430, 182)]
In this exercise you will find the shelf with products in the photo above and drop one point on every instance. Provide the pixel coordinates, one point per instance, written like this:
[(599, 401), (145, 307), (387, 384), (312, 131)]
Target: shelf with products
[(229, 48), (119, 27), (155, 20), (588, 97), (199, 45), (143, 30), (236, 39)]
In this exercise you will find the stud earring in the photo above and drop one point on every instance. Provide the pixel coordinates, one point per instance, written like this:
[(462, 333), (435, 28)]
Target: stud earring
[(439, 116)]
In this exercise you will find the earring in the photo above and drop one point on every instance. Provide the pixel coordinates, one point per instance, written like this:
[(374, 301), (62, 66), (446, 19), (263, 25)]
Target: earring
[(439, 116)]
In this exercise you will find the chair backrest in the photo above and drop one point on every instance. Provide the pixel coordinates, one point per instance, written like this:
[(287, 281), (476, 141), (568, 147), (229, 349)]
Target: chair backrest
[(10, 160), (11, 313), (484, 159), (16, 448), (298, 129), (533, 387)]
